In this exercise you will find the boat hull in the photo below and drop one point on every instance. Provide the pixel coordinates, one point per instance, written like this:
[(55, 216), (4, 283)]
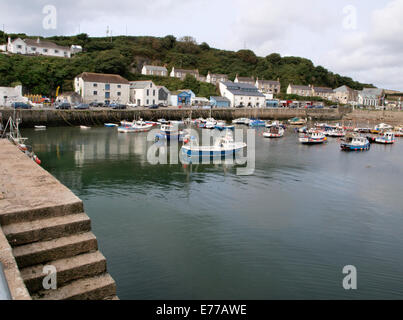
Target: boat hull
[(349, 147)]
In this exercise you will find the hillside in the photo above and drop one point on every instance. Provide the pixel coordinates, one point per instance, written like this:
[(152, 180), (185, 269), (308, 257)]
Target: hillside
[(126, 55)]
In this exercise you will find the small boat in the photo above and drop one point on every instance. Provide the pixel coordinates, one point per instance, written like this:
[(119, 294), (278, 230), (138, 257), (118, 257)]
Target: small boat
[(336, 133), (386, 138), (162, 121), (220, 125), (138, 126), (169, 132), (85, 127), (383, 127), (210, 124), (40, 127), (313, 137), (111, 125), (362, 130), (297, 122), (257, 123), (274, 132), (223, 146), (355, 143), (245, 121), (275, 124)]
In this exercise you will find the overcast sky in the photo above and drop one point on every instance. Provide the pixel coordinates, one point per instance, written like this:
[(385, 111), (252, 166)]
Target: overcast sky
[(358, 38)]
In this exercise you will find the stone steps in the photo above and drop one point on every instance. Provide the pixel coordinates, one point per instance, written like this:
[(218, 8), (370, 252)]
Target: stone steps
[(41, 213), (46, 229), (93, 288), (64, 247), (68, 270)]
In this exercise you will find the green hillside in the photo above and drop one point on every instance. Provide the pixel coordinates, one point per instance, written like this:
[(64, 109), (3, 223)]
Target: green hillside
[(126, 55)]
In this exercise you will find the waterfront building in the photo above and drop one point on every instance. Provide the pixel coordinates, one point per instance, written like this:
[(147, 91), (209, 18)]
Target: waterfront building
[(346, 95), (242, 94), (164, 95), (105, 88), (8, 95), (216, 78), (304, 91), (245, 80), (71, 97), (323, 92), (268, 86), (220, 102), (371, 97), (144, 93), (154, 71), (182, 73), (40, 47), (182, 98), (272, 103)]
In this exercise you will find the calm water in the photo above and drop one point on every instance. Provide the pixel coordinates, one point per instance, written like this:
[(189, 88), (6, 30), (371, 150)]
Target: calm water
[(202, 232)]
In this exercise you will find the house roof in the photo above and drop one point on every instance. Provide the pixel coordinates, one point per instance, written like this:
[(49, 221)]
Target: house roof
[(323, 90), (246, 79), (102, 78), (44, 44), (220, 99), (272, 82), (163, 88), (155, 68), (243, 89), (140, 84), (187, 71), (217, 75), (372, 91), (299, 87)]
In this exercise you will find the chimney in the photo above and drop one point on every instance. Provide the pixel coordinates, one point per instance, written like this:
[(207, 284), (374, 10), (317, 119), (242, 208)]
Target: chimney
[(38, 40)]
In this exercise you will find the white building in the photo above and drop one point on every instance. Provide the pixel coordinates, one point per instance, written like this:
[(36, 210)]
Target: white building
[(144, 93), (105, 88), (182, 73), (40, 47), (245, 80), (304, 91), (371, 97), (154, 71), (242, 94), (8, 95), (216, 78)]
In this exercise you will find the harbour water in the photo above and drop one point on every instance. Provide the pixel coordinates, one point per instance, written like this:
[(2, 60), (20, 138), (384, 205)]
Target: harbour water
[(203, 232)]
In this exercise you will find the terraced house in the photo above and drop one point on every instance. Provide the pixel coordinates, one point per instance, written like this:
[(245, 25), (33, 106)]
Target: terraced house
[(304, 91), (268, 86), (154, 71), (323, 92), (242, 95), (105, 88), (245, 80), (216, 78), (182, 73), (144, 93)]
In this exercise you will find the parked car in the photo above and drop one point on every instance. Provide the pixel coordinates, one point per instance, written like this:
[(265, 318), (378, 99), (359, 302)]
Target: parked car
[(240, 106), (154, 106), (163, 105), (96, 104), (63, 106), (82, 106), (21, 105), (117, 106)]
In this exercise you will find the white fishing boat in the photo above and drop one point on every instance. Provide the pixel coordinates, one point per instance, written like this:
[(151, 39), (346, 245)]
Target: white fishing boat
[(386, 138), (354, 142), (40, 127), (110, 125), (335, 133), (245, 121), (383, 127), (274, 132), (223, 146), (138, 126), (313, 137)]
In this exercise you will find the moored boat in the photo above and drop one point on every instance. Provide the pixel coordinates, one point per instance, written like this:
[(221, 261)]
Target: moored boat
[(313, 137), (110, 125), (386, 138), (336, 133), (355, 142), (138, 126), (40, 127), (274, 132), (257, 123), (245, 121)]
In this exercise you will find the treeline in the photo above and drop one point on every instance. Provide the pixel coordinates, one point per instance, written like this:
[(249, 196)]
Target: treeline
[(126, 55)]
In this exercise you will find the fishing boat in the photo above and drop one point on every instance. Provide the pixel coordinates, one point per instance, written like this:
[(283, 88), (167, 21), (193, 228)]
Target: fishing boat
[(40, 127), (210, 124), (297, 122), (110, 125), (257, 123), (398, 132), (386, 138), (85, 127), (362, 130), (162, 121), (274, 132), (354, 142), (270, 124), (336, 133), (313, 137), (223, 146), (245, 121), (169, 132), (138, 126), (220, 125)]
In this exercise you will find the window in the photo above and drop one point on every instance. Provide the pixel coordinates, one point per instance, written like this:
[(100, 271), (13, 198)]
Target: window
[(56, 51), (95, 84), (45, 50), (148, 92), (33, 49), (119, 94), (148, 101), (95, 93), (107, 95), (154, 93), (119, 86), (19, 47), (107, 86)]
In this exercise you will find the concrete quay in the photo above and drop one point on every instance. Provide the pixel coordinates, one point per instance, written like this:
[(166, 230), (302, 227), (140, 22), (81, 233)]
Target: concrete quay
[(42, 223)]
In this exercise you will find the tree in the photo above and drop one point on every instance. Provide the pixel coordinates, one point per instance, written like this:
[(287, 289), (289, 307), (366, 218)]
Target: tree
[(168, 42), (191, 83), (188, 39), (247, 56), (204, 46)]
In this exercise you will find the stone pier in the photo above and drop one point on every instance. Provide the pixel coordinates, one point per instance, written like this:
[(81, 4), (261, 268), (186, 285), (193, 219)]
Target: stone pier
[(42, 223)]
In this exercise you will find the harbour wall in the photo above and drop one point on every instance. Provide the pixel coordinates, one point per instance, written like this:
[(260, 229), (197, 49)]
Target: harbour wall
[(31, 118), (43, 224)]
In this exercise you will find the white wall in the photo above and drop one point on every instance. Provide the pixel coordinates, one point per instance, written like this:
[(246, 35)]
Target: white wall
[(87, 91), (8, 95)]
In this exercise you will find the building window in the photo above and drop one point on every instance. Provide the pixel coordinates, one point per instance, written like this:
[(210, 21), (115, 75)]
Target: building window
[(154, 93), (95, 93), (56, 51), (107, 86), (119, 86), (148, 101), (148, 92), (107, 95), (33, 49), (95, 84), (45, 50), (119, 94), (19, 47)]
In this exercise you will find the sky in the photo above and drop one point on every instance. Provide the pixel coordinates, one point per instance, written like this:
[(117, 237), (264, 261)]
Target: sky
[(362, 39)]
